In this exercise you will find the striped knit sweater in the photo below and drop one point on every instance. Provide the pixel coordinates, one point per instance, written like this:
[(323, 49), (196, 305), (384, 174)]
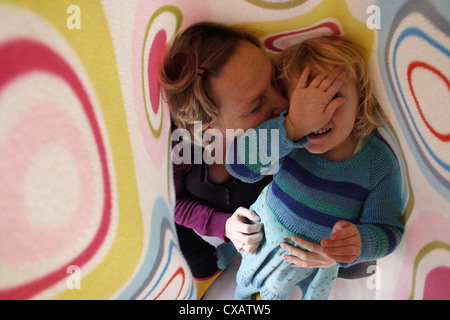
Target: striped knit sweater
[(309, 194)]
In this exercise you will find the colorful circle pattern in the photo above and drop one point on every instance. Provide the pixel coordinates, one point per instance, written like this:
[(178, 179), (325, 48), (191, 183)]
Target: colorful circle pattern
[(279, 42), (414, 47), (160, 276), (37, 57), (153, 115), (403, 61), (69, 199)]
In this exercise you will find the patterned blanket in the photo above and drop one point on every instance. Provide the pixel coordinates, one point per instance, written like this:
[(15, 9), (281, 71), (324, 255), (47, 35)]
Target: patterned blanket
[(86, 195)]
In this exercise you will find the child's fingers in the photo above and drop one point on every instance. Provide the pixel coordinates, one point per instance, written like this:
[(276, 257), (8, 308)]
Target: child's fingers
[(341, 251), (344, 244), (334, 87), (343, 230), (333, 106), (317, 81), (327, 82), (344, 259), (337, 243), (341, 224), (342, 234), (351, 241), (303, 78)]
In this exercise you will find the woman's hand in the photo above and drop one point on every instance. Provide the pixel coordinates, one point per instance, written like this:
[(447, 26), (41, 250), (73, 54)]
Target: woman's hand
[(244, 231), (313, 258)]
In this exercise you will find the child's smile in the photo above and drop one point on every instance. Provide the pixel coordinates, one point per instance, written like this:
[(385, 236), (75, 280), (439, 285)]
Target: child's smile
[(320, 133)]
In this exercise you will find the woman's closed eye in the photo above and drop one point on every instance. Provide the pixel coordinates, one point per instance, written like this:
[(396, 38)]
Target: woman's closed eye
[(259, 105)]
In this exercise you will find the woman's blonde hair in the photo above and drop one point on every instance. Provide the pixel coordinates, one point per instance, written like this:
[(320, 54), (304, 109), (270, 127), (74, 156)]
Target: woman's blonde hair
[(322, 54), (196, 55)]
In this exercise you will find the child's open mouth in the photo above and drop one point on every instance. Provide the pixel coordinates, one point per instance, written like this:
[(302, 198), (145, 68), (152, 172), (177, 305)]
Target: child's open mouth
[(320, 132)]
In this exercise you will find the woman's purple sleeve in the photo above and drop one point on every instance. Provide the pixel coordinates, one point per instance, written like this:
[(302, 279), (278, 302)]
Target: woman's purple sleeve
[(193, 214)]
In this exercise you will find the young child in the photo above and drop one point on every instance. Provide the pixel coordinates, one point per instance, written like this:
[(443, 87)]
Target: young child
[(331, 169)]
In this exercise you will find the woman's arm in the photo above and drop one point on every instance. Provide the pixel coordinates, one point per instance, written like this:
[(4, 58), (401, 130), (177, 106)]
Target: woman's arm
[(194, 214), (211, 222)]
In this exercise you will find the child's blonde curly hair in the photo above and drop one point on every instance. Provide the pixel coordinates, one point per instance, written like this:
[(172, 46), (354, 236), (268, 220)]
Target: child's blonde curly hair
[(322, 54)]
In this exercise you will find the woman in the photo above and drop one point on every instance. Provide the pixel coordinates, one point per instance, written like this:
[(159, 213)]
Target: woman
[(220, 77)]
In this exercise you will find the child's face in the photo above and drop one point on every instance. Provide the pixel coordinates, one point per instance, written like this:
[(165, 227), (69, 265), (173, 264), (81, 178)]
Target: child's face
[(335, 141)]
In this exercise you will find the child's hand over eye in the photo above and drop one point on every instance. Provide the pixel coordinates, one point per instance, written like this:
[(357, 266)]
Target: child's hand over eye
[(344, 244), (311, 107)]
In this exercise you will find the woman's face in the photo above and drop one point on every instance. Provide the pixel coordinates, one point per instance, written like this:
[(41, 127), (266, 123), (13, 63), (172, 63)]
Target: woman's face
[(244, 91)]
